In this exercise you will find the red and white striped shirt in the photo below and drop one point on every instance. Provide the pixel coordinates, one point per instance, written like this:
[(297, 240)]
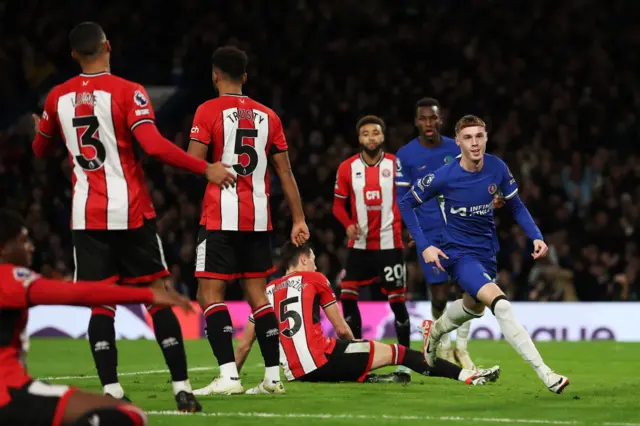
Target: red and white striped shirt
[(95, 114), (296, 299), (373, 201), (242, 133)]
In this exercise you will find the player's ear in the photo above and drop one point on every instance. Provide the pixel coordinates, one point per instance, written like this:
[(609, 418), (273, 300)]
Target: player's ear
[(244, 78), (107, 46)]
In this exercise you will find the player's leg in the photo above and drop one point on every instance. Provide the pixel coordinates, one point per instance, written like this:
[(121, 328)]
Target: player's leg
[(95, 261), (360, 270), (514, 333), (257, 265), (461, 351), (393, 281), (438, 283), (87, 409), (216, 263), (141, 262), (386, 355)]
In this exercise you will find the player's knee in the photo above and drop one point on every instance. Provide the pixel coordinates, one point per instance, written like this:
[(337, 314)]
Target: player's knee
[(439, 304), (399, 309), (500, 306)]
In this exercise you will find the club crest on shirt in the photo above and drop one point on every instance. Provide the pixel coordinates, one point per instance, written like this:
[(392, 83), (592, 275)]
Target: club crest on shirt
[(386, 173), (493, 188), (140, 99), (448, 159)]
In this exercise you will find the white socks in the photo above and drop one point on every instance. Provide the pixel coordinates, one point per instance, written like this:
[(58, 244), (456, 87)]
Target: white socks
[(229, 371), (462, 336), (114, 389), (272, 374), (518, 337), (454, 316), (184, 385)]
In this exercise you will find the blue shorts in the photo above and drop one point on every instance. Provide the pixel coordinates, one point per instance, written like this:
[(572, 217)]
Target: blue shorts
[(433, 275), (471, 272)]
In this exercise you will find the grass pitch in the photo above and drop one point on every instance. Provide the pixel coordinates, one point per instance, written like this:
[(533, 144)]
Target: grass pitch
[(604, 388)]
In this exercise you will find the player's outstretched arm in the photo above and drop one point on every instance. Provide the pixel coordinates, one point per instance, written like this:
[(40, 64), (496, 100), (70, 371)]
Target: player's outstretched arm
[(246, 341), (282, 166), (337, 320), (44, 291)]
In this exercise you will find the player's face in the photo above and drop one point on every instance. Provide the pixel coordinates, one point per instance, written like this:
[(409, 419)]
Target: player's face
[(20, 251), (472, 142), (309, 262), (371, 138), (428, 122)]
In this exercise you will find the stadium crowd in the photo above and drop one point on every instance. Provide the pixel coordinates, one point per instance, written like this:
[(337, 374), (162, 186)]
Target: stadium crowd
[(560, 99)]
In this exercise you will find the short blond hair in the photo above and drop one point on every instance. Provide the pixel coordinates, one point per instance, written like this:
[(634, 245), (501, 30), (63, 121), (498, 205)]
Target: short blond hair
[(469, 121)]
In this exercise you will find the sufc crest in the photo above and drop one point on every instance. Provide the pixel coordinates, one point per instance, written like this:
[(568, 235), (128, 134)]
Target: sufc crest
[(493, 188), (386, 173)]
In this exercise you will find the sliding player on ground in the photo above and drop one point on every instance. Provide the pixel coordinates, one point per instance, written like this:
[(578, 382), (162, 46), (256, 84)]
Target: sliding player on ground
[(306, 354), (467, 250)]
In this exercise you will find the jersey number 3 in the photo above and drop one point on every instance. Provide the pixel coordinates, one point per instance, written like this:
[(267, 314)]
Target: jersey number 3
[(286, 314), (247, 165), (90, 126)]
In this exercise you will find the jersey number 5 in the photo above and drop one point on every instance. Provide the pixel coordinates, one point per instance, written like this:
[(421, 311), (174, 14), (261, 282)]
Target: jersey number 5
[(285, 315), (90, 125), (251, 162)]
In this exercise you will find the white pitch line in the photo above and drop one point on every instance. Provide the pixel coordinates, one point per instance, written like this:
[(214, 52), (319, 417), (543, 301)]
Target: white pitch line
[(329, 416), (137, 373)]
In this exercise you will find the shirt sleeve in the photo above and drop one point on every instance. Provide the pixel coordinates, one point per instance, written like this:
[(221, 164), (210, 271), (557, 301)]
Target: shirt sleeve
[(327, 296), (342, 187), (508, 185), (49, 120), (427, 187), (14, 284), (201, 129), (138, 107), (276, 135), (403, 172)]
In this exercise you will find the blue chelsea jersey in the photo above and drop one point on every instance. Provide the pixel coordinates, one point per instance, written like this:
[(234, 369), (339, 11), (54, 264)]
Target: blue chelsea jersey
[(413, 161), (468, 202)]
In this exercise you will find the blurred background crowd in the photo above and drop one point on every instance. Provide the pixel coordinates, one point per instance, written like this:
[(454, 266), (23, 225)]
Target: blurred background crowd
[(556, 82)]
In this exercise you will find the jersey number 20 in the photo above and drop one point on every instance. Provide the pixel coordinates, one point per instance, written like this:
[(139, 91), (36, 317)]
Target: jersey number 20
[(285, 315), (90, 125)]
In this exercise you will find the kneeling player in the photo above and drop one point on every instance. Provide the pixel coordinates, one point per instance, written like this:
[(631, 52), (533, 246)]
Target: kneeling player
[(28, 402), (306, 354)]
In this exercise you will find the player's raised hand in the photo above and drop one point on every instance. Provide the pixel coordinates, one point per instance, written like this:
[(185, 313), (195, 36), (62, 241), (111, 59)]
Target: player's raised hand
[(353, 231), (220, 174), (36, 122), (433, 254), (498, 202), (299, 233), (540, 249), (164, 297)]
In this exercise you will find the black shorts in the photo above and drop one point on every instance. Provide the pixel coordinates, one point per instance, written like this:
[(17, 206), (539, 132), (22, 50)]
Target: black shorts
[(130, 256), (363, 267), (35, 404), (350, 361), (226, 255)]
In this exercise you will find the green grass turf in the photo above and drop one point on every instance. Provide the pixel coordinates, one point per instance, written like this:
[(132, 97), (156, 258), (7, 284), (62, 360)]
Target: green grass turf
[(604, 388)]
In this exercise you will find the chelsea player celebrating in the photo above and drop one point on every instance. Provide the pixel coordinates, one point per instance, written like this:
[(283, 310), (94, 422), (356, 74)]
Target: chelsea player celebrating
[(468, 185), (424, 154)]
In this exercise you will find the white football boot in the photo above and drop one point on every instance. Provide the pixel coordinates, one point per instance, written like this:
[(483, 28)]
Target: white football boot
[(221, 386), (483, 376), (555, 382), (266, 388)]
